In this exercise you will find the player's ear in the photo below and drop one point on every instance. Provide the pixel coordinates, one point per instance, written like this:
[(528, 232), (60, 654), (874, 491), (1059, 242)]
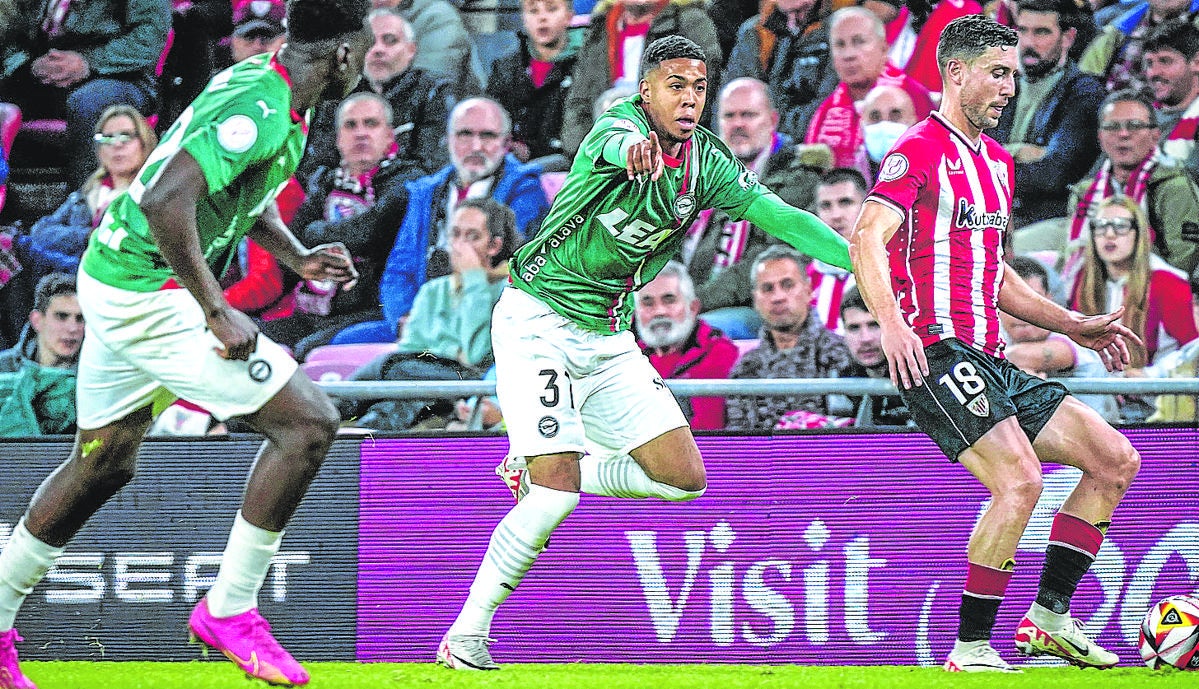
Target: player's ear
[(643, 89)]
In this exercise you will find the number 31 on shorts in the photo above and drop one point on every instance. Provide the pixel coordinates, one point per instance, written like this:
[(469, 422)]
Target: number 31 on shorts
[(557, 386)]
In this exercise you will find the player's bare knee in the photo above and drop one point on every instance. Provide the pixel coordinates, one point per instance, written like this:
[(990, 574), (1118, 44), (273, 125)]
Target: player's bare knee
[(1123, 467), (1021, 494)]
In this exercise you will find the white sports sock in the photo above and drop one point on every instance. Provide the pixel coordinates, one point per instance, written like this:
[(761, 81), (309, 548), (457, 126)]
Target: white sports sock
[(621, 476), (23, 563), (515, 544), (1045, 618), (244, 566)]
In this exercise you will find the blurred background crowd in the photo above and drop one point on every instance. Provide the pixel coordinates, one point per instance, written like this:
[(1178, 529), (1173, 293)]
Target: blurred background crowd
[(450, 151)]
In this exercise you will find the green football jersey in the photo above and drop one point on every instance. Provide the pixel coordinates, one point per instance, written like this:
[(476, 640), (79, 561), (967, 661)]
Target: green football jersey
[(242, 133), (605, 235)]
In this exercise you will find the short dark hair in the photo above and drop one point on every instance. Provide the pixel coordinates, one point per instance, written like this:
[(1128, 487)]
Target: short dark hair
[(852, 299), (1130, 96), (1028, 267), (501, 222), (50, 286), (968, 37), (670, 47), (844, 174), (1177, 34), (313, 21)]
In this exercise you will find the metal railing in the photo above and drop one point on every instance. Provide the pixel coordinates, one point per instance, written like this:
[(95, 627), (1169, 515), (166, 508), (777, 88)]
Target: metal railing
[(723, 388)]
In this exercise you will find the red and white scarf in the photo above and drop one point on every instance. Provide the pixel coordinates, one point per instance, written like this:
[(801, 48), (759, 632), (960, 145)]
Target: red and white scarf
[(837, 123), (1103, 187)]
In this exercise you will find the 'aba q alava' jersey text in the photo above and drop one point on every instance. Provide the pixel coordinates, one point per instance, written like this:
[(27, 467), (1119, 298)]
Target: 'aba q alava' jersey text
[(606, 235), (244, 136)]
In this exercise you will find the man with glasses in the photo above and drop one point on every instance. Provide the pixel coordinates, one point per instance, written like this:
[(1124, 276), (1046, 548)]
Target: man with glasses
[(937, 289), (478, 134), (1129, 136)]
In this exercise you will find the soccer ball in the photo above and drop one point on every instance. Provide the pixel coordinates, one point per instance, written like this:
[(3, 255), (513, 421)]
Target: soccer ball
[(1170, 632)]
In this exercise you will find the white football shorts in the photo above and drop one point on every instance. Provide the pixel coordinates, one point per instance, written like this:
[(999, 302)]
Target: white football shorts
[(566, 389), (138, 344)]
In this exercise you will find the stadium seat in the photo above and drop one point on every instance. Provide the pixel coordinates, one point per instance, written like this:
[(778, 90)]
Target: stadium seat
[(551, 183), (328, 371), (10, 122), (351, 354)]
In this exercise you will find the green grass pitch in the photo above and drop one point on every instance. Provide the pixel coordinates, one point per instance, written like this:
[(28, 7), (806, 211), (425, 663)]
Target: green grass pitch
[(219, 675)]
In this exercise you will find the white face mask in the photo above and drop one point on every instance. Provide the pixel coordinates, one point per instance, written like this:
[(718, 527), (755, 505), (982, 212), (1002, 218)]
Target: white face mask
[(881, 136)]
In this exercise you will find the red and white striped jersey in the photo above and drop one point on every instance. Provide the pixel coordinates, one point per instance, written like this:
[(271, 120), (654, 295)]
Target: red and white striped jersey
[(829, 284), (947, 257)]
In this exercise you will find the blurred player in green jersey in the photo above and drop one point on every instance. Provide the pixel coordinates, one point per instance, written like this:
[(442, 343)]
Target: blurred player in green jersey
[(158, 326), (585, 410)]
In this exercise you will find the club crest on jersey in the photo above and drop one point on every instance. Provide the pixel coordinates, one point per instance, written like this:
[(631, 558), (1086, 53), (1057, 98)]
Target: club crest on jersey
[(747, 179), (979, 406), (547, 426), (894, 166), (970, 217), (1000, 171), (684, 205)]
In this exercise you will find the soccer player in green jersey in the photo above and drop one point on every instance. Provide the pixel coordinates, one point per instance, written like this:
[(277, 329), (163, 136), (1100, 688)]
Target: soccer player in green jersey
[(585, 410), (158, 326)]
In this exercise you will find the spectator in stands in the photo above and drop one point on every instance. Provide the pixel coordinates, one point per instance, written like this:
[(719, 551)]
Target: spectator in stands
[(929, 22), (199, 47), (681, 345), (448, 336), (793, 345), (863, 338), (257, 28), (619, 32), (358, 203), (719, 251), (1115, 54), (898, 22), (122, 141), (443, 39), (839, 198), (1129, 136), (481, 166), (728, 16), (786, 46), (37, 377), (887, 112), (531, 81), (1050, 128), (1171, 62), (1048, 354), (1119, 271), (859, 55), (420, 102), (72, 60)]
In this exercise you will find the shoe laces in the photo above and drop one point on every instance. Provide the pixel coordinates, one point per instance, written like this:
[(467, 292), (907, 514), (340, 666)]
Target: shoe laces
[(987, 654), (476, 646)]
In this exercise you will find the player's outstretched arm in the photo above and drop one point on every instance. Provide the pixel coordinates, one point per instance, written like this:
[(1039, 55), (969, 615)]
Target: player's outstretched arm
[(1102, 333), (868, 247), (800, 229), (169, 205), (330, 261)]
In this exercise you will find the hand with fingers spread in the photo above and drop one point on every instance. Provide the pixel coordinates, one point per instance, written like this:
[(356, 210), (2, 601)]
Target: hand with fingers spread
[(645, 157), (330, 262), (1106, 335), (905, 355)]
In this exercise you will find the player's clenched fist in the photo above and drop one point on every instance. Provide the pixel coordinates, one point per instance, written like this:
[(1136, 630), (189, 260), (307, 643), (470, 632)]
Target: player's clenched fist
[(645, 157)]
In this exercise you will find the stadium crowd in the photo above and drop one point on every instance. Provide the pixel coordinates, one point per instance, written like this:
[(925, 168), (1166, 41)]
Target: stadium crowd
[(450, 151)]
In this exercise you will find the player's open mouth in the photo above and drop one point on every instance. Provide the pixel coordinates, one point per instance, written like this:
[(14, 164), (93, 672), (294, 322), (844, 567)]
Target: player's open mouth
[(686, 123)]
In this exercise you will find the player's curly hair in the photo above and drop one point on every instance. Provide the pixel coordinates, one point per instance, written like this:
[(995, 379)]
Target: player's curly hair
[(968, 37), (670, 48), (313, 21)]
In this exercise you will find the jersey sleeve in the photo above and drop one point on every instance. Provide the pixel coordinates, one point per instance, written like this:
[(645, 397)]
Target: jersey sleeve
[(248, 129), (799, 228), (609, 140), (903, 173), (726, 183)]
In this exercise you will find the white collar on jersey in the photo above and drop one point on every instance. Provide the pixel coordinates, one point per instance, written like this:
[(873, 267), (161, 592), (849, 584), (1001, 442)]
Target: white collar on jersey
[(975, 144)]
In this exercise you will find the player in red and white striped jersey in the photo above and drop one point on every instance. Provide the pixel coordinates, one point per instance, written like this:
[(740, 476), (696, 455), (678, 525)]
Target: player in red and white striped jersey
[(928, 255)]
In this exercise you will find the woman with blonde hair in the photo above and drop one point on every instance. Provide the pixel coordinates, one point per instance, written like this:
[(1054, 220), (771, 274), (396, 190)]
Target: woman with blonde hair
[(123, 140), (1119, 270)]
